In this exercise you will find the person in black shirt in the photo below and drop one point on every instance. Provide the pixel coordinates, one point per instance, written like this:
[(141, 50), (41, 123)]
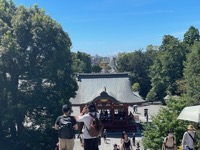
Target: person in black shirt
[(66, 141), (126, 142)]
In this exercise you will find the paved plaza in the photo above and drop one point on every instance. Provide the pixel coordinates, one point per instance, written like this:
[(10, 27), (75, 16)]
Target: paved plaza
[(104, 146), (152, 111)]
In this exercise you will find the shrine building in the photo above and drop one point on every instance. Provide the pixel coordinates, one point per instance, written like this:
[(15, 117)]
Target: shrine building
[(112, 94)]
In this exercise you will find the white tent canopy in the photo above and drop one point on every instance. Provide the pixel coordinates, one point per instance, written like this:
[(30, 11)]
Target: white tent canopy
[(191, 113)]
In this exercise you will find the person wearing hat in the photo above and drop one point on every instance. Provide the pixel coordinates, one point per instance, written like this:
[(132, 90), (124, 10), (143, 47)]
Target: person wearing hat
[(189, 138), (66, 124), (169, 142), (90, 143)]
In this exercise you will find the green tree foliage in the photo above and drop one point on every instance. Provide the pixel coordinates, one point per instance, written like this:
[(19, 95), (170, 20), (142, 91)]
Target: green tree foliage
[(191, 36), (165, 120), (150, 55), (136, 87), (138, 63), (81, 62), (35, 76), (168, 67), (123, 62), (158, 89), (167, 76), (96, 68), (192, 75), (181, 87), (151, 96)]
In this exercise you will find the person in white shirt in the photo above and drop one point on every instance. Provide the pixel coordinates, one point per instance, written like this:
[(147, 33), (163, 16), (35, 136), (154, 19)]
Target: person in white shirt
[(90, 143), (188, 141)]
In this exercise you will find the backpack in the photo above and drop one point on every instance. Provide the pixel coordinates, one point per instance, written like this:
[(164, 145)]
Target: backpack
[(167, 139), (96, 126), (66, 130), (166, 142)]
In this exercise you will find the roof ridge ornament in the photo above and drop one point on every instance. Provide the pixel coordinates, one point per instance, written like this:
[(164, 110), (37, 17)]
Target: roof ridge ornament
[(105, 88)]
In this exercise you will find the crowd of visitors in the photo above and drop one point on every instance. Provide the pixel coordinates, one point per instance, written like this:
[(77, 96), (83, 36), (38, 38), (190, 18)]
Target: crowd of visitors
[(66, 126), (188, 140)]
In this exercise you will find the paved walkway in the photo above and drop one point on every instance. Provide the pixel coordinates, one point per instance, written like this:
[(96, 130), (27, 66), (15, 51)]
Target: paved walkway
[(152, 111)]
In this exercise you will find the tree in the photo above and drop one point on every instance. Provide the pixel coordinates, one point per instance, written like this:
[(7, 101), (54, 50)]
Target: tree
[(123, 62), (35, 68), (96, 68), (165, 120), (150, 55), (81, 62), (151, 96), (191, 36), (158, 85), (168, 67), (181, 87), (136, 87), (191, 74), (138, 63)]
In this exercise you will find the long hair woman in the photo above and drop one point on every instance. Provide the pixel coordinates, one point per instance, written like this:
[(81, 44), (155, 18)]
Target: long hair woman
[(126, 142)]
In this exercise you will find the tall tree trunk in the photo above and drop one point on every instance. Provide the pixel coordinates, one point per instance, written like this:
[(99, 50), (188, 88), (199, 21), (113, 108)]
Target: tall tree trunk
[(20, 127), (13, 131)]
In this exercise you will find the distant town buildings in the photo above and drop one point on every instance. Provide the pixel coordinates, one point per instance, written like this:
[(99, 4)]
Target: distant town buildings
[(108, 64)]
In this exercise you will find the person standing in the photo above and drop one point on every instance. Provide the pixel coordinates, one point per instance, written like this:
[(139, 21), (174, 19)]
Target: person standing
[(134, 109), (189, 138), (90, 143), (66, 124), (125, 142), (133, 139), (138, 145), (147, 117), (169, 142), (81, 125), (105, 135)]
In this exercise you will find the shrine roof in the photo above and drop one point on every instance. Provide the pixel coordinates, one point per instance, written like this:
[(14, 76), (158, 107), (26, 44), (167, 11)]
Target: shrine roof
[(116, 85)]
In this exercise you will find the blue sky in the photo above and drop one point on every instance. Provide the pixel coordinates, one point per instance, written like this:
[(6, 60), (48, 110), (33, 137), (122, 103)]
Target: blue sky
[(107, 27)]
